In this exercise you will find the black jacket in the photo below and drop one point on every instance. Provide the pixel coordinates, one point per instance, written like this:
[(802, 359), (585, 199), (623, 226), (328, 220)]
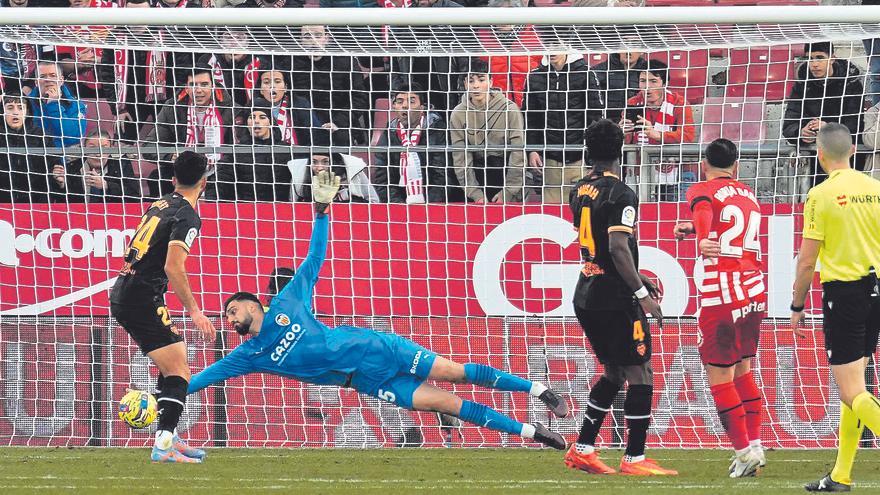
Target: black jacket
[(27, 177), (835, 99), (234, 78), (170, 130), (616, 83), (180, 63), (255, 176), (171, 123), (122, 185), (308, 130), (435, 163), (337, 93), (558, 108), (442, 77)]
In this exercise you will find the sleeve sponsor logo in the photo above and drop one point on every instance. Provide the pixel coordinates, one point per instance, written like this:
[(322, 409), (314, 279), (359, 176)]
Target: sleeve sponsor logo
[(191, 236), (628, 217)]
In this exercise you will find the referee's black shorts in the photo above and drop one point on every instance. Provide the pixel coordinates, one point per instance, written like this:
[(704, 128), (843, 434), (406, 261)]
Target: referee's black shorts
[(148, 324), (851, 319), (618, 337)]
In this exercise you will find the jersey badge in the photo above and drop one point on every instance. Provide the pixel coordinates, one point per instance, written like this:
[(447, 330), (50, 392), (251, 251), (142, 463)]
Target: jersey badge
[(628, 217), (282, 320), (841, 200), (191, 236)]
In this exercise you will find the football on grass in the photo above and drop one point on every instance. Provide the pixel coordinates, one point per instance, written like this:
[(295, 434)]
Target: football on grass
[(138, 409)]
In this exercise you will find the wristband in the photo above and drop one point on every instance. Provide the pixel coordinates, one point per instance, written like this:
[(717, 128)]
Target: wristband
[(641, 293), (796, 309)]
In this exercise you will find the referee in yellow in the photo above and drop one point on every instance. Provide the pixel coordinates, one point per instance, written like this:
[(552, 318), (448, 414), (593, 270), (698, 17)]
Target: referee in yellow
[(842, 230)]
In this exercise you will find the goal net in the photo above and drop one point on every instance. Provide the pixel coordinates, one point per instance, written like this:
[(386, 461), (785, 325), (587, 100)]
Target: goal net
[(456, 141)]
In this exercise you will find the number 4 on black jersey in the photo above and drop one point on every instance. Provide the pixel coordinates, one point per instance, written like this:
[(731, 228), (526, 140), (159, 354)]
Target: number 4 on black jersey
[(170, 220), (602, 204)]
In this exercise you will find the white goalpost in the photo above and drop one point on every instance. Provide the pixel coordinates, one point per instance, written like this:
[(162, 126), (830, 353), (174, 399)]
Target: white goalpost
[(474, 281)]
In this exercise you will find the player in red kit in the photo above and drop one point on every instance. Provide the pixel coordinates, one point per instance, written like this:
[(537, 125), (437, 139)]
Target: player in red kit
[(733, 298)]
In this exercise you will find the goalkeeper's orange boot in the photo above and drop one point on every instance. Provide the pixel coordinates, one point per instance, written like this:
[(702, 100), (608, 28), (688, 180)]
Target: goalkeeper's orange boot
[(588, 463), (645, 467)]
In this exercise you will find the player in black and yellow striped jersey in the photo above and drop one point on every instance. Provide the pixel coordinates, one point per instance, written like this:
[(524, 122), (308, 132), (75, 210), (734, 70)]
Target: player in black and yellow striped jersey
[(842, 231)]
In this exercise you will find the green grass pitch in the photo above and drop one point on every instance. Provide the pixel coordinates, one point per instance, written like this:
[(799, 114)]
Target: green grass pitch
[(409, 471)]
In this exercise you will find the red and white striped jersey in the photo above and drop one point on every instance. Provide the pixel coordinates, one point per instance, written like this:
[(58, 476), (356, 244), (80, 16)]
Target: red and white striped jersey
[(735, 276)]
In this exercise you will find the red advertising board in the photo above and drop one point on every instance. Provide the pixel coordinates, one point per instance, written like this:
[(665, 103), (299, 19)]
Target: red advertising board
[(388, 260)]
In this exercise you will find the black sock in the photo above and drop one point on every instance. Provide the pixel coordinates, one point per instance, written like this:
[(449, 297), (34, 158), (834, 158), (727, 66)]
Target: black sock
[(160, 382), (171, 402), (601, 396), (637, 411)]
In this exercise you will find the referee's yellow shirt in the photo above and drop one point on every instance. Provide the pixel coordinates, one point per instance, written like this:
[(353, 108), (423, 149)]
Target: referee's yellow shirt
[(844, 214)]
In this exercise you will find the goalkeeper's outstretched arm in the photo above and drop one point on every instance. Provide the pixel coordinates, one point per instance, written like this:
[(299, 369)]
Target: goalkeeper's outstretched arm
[(324, 188), (234, 364)]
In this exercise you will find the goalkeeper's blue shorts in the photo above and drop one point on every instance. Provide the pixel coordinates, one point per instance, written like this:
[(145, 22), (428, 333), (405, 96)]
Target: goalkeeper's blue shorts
[(394, 373)]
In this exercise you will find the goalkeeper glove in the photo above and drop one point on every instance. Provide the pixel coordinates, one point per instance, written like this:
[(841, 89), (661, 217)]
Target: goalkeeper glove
[(325, 185)]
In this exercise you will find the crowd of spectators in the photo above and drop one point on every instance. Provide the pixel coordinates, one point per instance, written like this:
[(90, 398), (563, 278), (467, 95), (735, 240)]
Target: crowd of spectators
[(499, 128)]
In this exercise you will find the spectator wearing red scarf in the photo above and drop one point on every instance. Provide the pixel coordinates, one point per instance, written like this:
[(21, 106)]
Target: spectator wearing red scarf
[(419, 175)]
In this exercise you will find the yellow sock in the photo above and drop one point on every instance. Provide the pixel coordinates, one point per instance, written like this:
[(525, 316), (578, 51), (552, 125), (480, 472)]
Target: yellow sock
[(850, 435), (867, 409)]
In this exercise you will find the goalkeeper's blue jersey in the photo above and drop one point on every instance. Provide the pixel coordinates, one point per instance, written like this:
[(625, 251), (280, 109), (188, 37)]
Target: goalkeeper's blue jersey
[(294, 344)]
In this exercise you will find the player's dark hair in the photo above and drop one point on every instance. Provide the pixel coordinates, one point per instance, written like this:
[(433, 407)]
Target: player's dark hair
[(189, 168), (721, 153), (604, 142), (241, 296), (819, 46), (136, 1), (658, 68)]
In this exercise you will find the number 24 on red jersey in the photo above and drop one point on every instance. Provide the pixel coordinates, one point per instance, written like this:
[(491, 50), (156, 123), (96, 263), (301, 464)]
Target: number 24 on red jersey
[(736, 222)]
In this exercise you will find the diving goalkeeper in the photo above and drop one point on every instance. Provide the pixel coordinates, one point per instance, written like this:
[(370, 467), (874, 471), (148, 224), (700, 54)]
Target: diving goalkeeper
[(289, 341)]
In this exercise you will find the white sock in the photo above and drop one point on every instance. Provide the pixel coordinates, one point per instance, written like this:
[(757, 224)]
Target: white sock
[(742, 452), (528, 431), (755, 444), (634, 458), (164, 439), (584, 449), (538, 388)]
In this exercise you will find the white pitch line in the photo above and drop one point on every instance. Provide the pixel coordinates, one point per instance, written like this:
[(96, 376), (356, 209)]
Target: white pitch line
[(496, 483)]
